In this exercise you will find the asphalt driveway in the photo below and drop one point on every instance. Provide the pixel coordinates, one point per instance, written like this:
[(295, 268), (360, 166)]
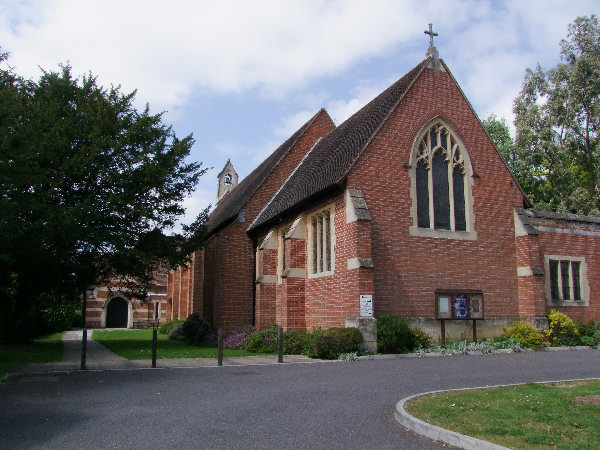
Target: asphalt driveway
[(313, 406)]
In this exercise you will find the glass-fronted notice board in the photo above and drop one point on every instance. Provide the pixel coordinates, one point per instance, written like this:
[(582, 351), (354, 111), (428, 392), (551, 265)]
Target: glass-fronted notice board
[(459, 305)]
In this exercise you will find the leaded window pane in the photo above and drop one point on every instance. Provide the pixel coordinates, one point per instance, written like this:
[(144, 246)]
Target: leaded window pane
[(458, 181), (422, 195), (315, 233), (327, 241), (554, 279), (564, 274), (441, 202), (575, 265), (433, 137), (321, 243)]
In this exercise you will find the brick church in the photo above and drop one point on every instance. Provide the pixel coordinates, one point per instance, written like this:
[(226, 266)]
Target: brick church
[(405, 208)]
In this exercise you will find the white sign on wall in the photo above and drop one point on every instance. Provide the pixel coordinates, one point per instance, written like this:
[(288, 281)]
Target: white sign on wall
[(366, 306)]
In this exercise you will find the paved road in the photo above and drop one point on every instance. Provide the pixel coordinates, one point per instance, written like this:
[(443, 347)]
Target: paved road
[(319, 405)]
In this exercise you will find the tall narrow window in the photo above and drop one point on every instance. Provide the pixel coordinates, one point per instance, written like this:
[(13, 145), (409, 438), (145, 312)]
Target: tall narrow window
[(440, 181), (458, 178), (422, 195), (327, 241), (282, 245), (575, 265), (564, 275), (554, 279), (441, 200), (322, 245), (315, 234)]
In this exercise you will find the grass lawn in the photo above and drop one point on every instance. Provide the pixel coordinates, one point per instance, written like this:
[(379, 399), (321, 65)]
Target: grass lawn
[(45, 349), (565, 415), (137, 344)]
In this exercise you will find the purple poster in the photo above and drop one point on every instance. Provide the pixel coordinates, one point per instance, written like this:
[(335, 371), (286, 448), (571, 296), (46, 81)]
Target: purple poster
[(460, 306)]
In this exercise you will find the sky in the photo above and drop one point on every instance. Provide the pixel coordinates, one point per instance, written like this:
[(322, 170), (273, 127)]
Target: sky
[(243, 75)]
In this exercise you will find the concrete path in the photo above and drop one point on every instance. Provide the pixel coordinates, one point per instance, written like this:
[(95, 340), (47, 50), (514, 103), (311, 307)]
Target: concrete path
[(98, 357)]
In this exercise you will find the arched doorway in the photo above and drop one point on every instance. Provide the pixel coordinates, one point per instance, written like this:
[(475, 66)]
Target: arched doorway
[(116, 313)]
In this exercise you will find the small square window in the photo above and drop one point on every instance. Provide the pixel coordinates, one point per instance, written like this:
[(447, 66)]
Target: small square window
[(565, 280)]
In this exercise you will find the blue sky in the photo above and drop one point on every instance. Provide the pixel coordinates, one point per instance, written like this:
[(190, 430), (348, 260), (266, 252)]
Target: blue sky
[(242, 76)]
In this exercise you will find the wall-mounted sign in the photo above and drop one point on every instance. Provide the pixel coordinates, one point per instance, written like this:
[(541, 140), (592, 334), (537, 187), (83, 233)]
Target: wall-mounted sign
[(459, 305), (366, 306)]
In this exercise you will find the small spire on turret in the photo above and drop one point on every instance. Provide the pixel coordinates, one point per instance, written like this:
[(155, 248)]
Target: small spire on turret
[(227, 180)]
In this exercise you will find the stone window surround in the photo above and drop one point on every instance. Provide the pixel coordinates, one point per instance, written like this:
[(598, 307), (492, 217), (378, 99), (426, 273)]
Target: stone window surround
[(584, 286), (282, 235), (414, 229)]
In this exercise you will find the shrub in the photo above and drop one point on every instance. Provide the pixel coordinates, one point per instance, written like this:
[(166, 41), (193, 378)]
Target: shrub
[(195, 329), (563, 330), (331, 343), (525, 334), (264, 341), (167, 327), (176, 333), (589, 334), (296, 342), (420, 338), (394, 335), (237, 338)]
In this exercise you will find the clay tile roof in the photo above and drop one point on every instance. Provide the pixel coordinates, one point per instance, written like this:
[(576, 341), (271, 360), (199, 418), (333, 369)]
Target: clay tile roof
[(332, 157), (230, 206)]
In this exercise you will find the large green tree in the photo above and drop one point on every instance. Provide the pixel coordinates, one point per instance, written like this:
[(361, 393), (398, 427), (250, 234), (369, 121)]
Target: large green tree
[(500, 135), (557, 119), (88, 184)]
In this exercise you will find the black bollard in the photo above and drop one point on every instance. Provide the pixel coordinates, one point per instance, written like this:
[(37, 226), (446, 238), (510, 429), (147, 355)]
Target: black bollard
[(154, 345), (220, 347), (83, 349), (280, 345)]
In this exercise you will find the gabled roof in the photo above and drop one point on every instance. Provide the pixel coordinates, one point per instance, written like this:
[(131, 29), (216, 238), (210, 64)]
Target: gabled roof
[(230, 206), (331, 159)]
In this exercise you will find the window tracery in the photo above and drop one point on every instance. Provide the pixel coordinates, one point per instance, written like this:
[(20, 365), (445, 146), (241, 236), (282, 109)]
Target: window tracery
[(441, 188)]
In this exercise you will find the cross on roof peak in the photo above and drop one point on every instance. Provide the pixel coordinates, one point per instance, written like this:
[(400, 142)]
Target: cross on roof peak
[(431, 34), (432, 51)]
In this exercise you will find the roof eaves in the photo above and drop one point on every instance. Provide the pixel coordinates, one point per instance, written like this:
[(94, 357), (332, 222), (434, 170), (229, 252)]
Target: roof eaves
[(264, 208), (385, 119), (245, 196)]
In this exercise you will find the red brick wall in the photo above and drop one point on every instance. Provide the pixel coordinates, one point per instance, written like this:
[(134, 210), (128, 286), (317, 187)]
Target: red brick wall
[(575, 245), (229, 264), (532, 302), (408, 269), (98, 298), (330, 299)]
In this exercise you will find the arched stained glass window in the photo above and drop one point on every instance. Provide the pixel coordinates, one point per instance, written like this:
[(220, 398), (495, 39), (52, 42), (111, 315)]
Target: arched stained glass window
[(440, 181)]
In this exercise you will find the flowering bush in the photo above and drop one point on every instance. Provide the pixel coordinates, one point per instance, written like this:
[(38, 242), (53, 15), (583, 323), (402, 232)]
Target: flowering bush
[(421, 339), (237, 338), (525, 334), (563, 330)]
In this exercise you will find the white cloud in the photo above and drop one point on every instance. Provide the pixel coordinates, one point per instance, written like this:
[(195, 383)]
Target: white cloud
[(177, 50), (169, 49)]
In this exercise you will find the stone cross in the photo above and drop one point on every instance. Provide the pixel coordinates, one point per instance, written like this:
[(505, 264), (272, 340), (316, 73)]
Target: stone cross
[(431, 35)]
